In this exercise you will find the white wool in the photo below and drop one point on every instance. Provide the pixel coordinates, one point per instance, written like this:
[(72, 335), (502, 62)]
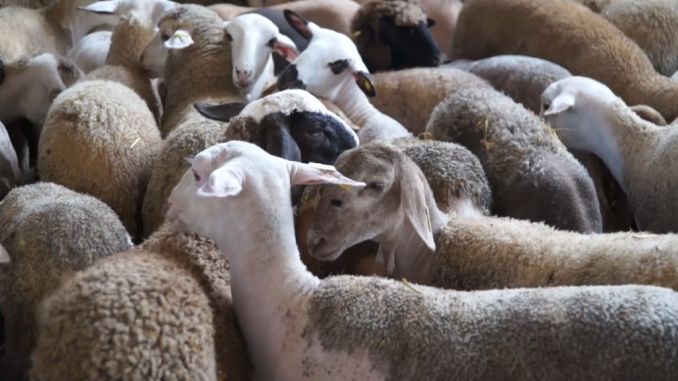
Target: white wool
[(288, 101)]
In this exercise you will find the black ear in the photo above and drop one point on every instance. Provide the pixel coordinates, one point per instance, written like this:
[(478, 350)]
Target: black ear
[(364, 81), (298, 23), (277, 139), (338, 66), (430, 22), (2, 71), (223, 112)]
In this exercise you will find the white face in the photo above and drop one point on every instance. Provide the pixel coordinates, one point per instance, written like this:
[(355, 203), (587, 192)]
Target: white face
[(29, 92), (326, 50), (252, 37)]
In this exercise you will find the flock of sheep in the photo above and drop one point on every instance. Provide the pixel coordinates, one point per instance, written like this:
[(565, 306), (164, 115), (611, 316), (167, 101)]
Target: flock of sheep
[(194, 192)]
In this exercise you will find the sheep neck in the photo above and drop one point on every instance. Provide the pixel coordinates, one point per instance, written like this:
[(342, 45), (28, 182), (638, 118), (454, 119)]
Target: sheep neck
[(269, 282), (401, 244), (355, 104)]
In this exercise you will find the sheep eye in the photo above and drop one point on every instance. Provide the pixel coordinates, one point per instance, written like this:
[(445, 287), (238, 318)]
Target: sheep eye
[(313, 133), (271, 42), (164, 36), (375, 185), (545, 106), (196, 176), (229, 37)]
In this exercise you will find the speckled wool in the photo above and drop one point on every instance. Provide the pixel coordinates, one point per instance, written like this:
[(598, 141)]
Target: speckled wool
[(49, 232), (100, 138), (422, 333), (531, 173), (133, 316), (403, 13), (409, 96)]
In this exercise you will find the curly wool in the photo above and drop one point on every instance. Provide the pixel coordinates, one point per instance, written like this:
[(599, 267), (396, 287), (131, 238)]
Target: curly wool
[(100, 138), (49, 232), (139, 317), (403, 12)]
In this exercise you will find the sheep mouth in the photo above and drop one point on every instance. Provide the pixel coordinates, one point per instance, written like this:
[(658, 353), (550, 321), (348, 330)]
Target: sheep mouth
[(321, 250)]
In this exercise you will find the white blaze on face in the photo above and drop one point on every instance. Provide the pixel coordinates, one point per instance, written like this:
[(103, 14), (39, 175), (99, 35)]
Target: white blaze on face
[(313, 64)]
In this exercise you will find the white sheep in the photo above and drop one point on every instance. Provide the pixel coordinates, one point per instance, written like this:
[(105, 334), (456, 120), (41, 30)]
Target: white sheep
[(10, 172), (101, 139), (300, 327), (91, 51), (331, 68), (254, 39), (589, 117), (469, 251), (50, 232)]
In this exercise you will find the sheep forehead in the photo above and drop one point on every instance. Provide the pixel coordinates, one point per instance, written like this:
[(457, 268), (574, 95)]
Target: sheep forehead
[(586, 87), (365, 163), (252, 22), (404, 12)]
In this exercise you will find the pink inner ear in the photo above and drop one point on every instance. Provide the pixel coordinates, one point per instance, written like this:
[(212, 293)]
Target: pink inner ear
[(285, 51), (304, 174)]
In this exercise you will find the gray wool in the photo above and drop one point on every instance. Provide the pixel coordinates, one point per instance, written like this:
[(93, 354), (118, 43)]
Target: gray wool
[(420, 333), (49, 232), (531, 173), (522, 78), (452, 171)]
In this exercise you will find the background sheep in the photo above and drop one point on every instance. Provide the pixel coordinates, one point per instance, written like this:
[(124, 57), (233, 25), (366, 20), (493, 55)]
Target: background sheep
[(10, 173), (101, 139), (588, 116), (90, 52), (531, 173), (394, 34), (368, 328), (568, 34), (653, 25), (49, 232)]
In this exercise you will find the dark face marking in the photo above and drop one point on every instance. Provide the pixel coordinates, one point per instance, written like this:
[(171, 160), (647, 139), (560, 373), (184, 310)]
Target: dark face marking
[(289, 79), (410, 46), (321, 138), (221, 112), (338, 66)]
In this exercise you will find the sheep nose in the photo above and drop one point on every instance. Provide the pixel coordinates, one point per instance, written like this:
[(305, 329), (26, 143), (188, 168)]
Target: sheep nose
[(314, 242), (244, 76)]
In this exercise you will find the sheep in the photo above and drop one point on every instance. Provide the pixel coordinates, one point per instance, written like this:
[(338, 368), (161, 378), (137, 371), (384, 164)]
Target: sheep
[(458, 182), (202, 341), (531, 173), (570, 35), (291, 123), (52, 29), (10, 172), (522, 78), (394, 34), (376, 329), (331, 68), (90, 52), (105, 130), (25, 3), (588, 116), (596, 6), (123, 64), (331, 14), (49, 232), (194, 40), (471, 251), (253, 40), (651, 25)]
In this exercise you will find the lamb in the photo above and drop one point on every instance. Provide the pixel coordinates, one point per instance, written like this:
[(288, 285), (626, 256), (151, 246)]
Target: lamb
[(372, 329), (253, 40), (588, 116), (651, 25), (471, 251), (331, 68), (570, 35), (10, 172), (531, 173), (90, 52), (52, 29), (196, 44), (104, 130), (458, 182), (292, 124), (394, 34), (522, 78), (42, 226)]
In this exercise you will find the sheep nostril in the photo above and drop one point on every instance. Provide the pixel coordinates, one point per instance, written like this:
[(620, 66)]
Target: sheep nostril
[(337, 203)]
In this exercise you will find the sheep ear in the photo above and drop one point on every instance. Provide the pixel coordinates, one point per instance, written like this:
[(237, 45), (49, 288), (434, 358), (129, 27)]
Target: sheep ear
[(180, 39), (225, 181), (278, 141), (284, 46), (561, 103), (365, 83), (417, 215), (106, 7), (223, 112), (314, 173), (298, 23)]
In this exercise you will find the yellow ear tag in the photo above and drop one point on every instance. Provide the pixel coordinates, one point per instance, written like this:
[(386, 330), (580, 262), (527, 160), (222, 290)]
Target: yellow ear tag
[(345, 187), (356, 34)]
